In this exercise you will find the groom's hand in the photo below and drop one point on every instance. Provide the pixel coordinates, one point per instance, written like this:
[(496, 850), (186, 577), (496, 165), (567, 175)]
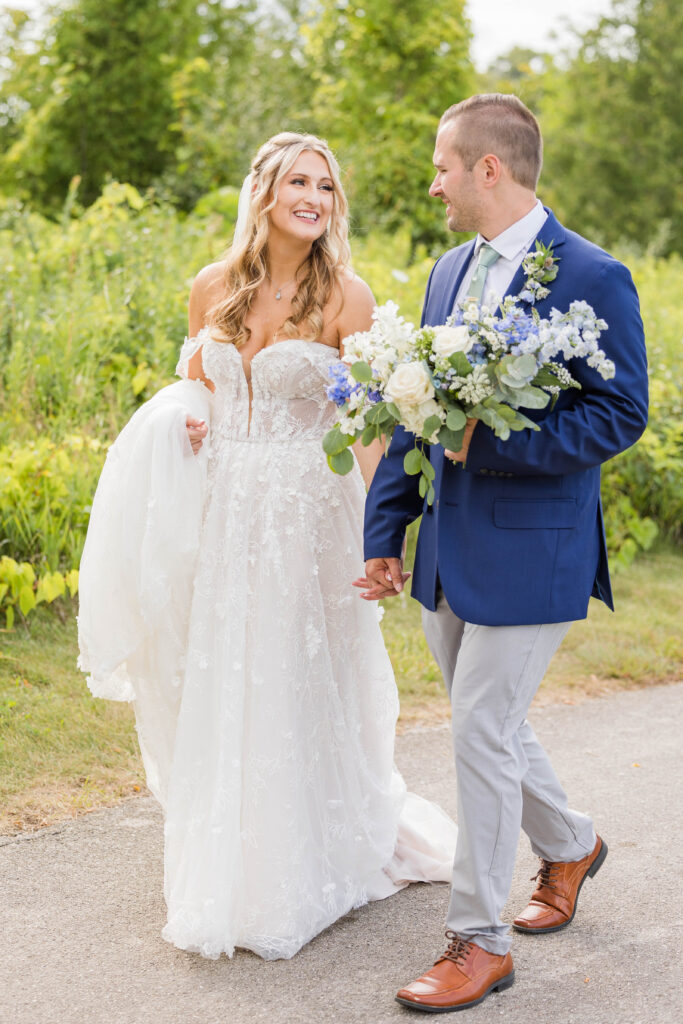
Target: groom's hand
[(466, 438), (384, 577)]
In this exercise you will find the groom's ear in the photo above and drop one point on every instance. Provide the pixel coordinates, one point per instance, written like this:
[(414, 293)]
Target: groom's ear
[(491, 170)]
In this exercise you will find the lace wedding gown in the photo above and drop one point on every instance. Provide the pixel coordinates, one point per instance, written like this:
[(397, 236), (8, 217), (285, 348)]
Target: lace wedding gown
[(215, 593)]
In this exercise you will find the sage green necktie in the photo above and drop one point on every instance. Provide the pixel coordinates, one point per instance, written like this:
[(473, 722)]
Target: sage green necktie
[(487, 257)]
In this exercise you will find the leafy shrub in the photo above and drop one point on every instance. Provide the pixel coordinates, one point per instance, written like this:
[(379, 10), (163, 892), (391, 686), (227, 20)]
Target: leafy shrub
[(92, 315), (20, 588), (46, 490)]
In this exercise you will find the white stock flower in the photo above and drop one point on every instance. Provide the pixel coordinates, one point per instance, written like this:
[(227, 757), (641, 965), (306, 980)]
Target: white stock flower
[(409, 384), (349, 425), (384, 363), (394, 330), (448, 340)]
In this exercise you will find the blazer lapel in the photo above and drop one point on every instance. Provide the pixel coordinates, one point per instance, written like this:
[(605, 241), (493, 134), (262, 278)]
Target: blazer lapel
[(445, 308), (552, 233)]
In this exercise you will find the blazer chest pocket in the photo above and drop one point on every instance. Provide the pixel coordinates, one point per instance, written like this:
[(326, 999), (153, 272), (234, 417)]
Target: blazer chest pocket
[(545, 514)]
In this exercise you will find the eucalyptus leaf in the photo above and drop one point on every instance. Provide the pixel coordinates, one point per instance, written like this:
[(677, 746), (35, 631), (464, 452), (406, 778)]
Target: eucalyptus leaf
[(545, 377), (427, 468), (361, 372), (412, 462), (370, 433), (523, 366), (451, 439), (335, 441), (508, 414), (460, 364), (431, 425), (456, 419), (533, 398), (522, 422), (341, 462)]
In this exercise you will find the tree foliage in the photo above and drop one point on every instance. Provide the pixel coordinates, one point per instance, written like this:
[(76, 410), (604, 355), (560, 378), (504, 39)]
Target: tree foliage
[(116, 90), (384, 73), (612, 126), (99, 99), (179, 94)]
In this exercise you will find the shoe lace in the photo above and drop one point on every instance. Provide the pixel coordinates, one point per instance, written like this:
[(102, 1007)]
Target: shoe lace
[(546, 876), (458, 949)]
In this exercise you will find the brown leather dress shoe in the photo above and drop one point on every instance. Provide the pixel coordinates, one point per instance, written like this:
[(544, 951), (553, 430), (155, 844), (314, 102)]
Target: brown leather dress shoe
[(461, 978), (553, 904)]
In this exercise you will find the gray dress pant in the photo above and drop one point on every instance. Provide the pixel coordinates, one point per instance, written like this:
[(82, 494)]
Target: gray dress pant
[(505, 780)]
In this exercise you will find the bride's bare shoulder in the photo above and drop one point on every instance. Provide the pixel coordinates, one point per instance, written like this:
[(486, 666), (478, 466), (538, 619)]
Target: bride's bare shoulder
[(209, 279), (356, 305)]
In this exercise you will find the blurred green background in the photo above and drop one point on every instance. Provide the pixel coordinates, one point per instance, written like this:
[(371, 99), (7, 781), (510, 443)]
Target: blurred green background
[(125, 130)]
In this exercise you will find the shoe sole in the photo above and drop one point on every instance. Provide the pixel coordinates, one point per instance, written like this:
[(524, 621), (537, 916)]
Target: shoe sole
[(592, 871), (498, 986)]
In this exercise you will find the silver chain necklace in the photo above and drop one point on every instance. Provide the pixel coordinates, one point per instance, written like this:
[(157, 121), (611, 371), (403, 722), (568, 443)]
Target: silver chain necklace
[(278, 293)]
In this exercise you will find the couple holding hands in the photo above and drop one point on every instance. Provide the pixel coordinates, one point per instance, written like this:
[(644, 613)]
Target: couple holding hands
[(215, 583)]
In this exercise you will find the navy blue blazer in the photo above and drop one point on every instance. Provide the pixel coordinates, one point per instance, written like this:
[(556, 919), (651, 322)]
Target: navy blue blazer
[(516, 536)]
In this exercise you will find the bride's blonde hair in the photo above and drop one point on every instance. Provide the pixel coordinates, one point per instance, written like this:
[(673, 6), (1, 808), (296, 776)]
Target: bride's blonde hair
[(247, 264)]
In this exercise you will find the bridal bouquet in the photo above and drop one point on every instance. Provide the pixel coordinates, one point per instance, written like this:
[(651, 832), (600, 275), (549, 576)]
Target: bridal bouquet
[(478, 364)]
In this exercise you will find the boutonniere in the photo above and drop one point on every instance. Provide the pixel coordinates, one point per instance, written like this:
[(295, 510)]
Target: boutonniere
[(540, 267)]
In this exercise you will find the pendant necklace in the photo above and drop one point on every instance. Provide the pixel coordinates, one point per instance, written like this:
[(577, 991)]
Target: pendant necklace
[(278, 293)]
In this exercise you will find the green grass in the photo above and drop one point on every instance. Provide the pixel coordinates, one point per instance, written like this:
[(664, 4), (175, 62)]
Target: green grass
[(62, 752)]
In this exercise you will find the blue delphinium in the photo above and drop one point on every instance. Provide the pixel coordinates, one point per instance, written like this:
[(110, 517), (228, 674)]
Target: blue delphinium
[(343, 385)]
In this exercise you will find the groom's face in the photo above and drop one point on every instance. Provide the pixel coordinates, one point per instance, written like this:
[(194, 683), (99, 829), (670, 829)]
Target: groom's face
[(455, 185)]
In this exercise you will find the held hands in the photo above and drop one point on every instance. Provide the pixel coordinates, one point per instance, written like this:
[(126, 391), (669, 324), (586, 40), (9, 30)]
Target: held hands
[(196, 432), (384, 577)]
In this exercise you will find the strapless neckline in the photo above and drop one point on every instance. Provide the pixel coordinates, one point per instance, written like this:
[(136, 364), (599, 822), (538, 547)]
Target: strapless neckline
[(247, 363)]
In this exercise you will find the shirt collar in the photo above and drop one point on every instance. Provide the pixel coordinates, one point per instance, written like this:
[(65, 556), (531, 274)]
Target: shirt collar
[(518, 237)]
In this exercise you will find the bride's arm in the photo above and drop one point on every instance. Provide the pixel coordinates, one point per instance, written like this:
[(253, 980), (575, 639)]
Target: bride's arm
[(356, 315), (205, 291)]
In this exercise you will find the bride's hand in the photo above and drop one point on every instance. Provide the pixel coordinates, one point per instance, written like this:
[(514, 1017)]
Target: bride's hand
[(384, 578), (196, 432)]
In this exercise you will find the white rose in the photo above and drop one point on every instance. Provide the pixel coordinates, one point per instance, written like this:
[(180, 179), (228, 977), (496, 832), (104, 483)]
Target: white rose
[(409, 384), (448, 340)]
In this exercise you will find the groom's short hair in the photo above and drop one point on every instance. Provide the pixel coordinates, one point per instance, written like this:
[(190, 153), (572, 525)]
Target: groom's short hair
[(498, 123)]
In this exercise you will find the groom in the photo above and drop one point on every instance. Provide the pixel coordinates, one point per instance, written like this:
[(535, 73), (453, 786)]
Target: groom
[(512, 548)]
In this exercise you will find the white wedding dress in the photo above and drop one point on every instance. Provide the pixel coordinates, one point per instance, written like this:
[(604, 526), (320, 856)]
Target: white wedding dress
[(215, 594)]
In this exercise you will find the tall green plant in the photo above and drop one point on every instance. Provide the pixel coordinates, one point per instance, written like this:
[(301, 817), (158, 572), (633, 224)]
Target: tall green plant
[(384, 74), (610, 115)]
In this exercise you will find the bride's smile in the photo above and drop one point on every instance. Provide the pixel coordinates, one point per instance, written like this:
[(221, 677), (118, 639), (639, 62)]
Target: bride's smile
[(305, 200)]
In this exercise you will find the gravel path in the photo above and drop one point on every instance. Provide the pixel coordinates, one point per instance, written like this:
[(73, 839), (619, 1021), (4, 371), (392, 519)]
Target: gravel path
[(81, 907)]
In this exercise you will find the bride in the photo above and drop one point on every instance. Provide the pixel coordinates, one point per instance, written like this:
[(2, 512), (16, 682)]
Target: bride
[(215, 595)]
